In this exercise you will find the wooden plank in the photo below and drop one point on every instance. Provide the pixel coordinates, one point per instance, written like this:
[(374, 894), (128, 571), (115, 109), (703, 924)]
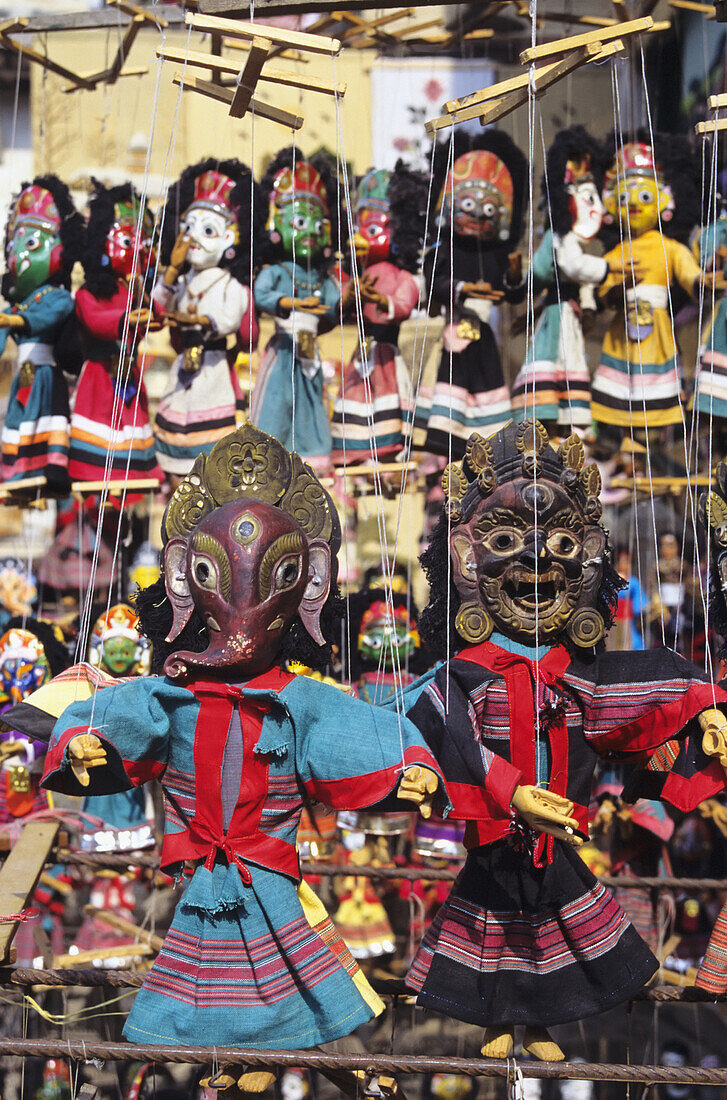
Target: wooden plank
[(581, 20), (116, 486), (271, 76), (248, 79), (22, 486), (715, 102), (121, 924), (575, 41), (313, 43), (412, 30), (690, 5), (503, 87), (224, 95), (124, 49), (137, 12), (713, 127), (116, 951), (20, 873), (100, 78), (38, 58), (242, 8)]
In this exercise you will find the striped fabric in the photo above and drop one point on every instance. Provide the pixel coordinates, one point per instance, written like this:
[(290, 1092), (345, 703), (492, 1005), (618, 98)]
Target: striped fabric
[(554, 383), (370, 415), (108, 432), (190, 420), (710, 384), (459, 411), (35, 433), (712, 973)]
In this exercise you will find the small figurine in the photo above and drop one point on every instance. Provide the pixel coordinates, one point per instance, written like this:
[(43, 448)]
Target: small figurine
[(249, 582), (18, 589), (43, 240), (30, 654), (110, 431), (522, 591), (472, 265), (554, 383), (652, 192), (304, 298), (373, 412), (213, 231)]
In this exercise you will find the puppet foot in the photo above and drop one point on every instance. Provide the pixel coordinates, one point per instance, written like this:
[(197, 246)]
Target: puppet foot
[(255, 1080), (498, 1042), (537, 1041)]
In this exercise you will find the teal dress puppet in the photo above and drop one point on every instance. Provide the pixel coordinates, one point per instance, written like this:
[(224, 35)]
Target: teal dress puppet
[(42, 242), (251, 958), (289, 396)]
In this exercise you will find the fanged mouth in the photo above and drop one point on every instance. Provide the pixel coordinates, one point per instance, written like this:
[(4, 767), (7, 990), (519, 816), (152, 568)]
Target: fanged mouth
[(526, 587)]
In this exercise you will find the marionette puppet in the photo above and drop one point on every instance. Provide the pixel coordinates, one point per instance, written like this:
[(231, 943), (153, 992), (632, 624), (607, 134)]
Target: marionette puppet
[(251, 958), (517, 719), (213, 226), (372, 414), (30, 654), (43, 240), (304, 298), (110, 431), (554, 383), (472, 266), (653, 194), (710, 383), (18, 590)]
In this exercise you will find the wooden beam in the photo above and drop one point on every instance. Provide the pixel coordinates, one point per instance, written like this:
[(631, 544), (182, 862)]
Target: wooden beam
[(20, 873), (248, 79), (313, 43), (116, 486), (713, 127), (272, 76), (121, 924), (136, 11), (716, 102), (519, 88), (581, 20), (32, 55), (95, 79), (23, 486), (575, 41), (224, 95), (404, 32), (690, 5), (279, 51)]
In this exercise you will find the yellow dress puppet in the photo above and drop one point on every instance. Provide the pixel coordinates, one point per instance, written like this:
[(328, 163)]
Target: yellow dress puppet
[(637, 382)]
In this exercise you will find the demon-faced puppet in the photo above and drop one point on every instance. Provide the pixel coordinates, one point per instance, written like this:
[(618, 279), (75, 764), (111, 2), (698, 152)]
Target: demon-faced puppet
[(237, 743), (532, 699)]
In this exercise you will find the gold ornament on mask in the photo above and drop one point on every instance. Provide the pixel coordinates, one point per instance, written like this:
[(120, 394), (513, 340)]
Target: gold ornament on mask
[(585, 628), (250, 463), (454, 482), (473, 623), (531, 438), (713, 515), (571, 453)]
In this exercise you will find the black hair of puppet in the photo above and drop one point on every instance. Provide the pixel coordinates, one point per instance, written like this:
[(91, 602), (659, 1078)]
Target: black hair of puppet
[(101, 280), (502, 145), (680, 167), (438, 630), (326, 168), (574, 144), (407, 194), (71, 232), (251, 202), (55, 651), (155, 621)]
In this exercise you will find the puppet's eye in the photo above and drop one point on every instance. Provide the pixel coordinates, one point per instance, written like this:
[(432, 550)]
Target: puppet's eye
[(205, 573), (562, 544), (468, 205), (287, 574), (489, 210), (245, 529)]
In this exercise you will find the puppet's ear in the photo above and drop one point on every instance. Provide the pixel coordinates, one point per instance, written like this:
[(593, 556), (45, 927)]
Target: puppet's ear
[(317, 589), (462, 553), (175, 582)]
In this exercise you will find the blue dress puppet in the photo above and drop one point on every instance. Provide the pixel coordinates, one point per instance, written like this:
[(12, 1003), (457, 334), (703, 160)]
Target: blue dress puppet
[(249, 582), (289, 397), (518, 718), (43, 240)]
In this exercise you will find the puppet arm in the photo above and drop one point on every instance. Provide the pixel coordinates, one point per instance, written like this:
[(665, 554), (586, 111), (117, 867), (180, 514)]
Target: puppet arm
[(546, 812), (714, 730)]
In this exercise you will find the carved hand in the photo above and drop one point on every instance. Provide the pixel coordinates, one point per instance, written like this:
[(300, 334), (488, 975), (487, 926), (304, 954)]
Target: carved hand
[(714, 730), (546, 812), (418, 785), (11, 320), (85, 751)]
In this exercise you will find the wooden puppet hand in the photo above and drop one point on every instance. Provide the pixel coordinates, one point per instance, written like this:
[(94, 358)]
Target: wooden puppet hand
[(11, 320), (11, 748), (179, 319), (604, 816), (481, 290), (713, 810), (714, 731), (85, 751), (626, 268), (369, 293), (418, 785), (178, 257), (311, 304), (714, 280), (546, 812), (514, 269)]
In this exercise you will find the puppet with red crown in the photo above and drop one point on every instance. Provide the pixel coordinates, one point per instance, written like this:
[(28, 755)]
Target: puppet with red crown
[(213, 226)]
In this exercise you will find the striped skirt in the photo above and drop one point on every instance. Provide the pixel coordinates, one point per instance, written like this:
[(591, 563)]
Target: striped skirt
[(271, 972), (371, 414), (710, 385), (517, 945), (470, 395), (35, 433), (554, 384), (191, 418), (288, 403), (637, 379), (110, 433)]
